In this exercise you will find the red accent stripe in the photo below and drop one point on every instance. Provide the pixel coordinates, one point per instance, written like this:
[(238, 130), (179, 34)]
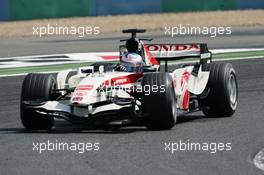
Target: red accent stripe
[(186, 99), (132, 78), (150, 56), (110, 57), (122, 80), (84, 87), (185, 77)]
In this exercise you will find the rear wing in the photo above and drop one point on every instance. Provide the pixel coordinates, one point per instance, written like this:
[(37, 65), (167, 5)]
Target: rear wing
[(172, 52)]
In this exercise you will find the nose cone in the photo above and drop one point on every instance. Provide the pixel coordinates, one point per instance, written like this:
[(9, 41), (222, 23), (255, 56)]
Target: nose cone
[(86, 91)]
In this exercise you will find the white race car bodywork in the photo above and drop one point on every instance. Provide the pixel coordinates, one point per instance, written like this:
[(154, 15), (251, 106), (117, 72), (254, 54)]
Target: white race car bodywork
[(100, 87), (116, 94), (186, 83), (91, 89)]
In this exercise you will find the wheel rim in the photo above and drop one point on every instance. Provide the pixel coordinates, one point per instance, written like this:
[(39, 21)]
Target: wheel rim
[(232, 89), (174, 108)]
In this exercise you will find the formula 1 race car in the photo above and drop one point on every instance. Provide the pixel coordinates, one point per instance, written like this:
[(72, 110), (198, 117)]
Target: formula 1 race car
[(112, 94)]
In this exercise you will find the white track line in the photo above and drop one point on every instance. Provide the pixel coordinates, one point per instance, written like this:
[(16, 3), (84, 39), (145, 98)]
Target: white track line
[(220, 59), (56, 59), (25, 61), (21, 74), (97, 56), (180, 62), (236, 50)]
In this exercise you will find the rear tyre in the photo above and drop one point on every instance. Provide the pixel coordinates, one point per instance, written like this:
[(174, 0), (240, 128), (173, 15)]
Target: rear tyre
[(159, 104), (36, 87), (223, 91)]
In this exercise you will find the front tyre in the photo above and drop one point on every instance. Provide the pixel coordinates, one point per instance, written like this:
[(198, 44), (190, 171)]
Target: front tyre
[(223, 91), (159, 103), (36, 87)]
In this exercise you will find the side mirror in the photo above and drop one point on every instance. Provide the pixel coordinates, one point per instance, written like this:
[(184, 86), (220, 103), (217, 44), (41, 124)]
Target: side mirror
[(86, 70), (101, 69)]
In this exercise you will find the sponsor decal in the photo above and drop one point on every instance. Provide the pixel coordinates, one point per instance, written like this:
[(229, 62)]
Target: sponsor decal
[(80, 93), (84, 87), (172, 47), (122, 80), (77, 98)]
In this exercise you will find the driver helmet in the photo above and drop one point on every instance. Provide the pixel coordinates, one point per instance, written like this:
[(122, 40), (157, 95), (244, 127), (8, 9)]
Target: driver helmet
[(132, 45), (133, 62)]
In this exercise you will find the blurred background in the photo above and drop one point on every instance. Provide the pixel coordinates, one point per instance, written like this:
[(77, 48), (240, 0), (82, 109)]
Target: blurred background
[(11, 10)]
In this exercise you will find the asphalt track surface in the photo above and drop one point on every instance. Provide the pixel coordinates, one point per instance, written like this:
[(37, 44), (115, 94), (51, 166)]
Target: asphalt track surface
[(241, 37), (135, 150)]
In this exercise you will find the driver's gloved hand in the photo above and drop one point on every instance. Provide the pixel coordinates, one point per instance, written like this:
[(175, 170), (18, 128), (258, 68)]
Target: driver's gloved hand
[(120, 67)]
